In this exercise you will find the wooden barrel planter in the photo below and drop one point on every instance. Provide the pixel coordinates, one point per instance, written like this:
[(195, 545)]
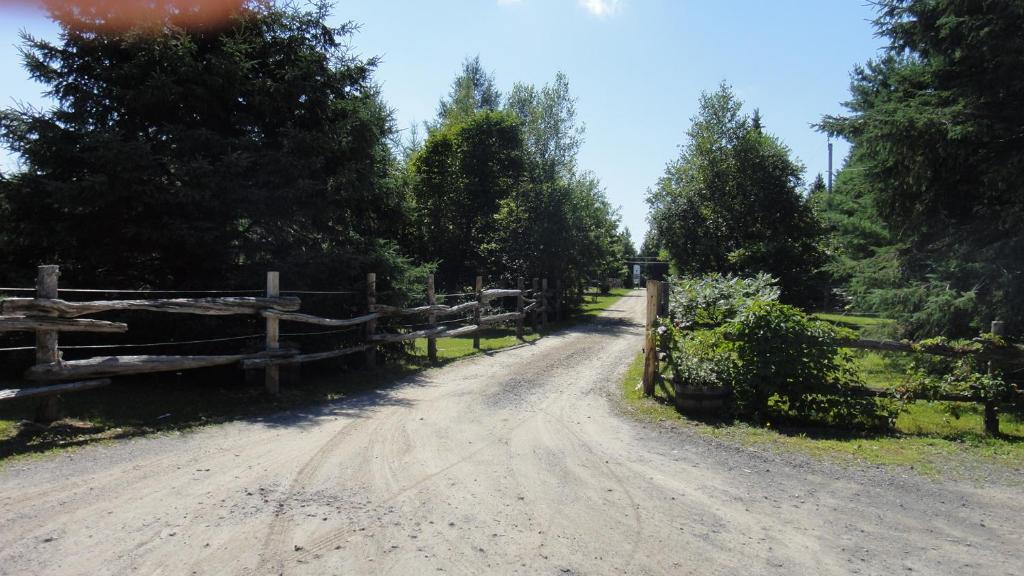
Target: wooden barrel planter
[(701, 399)]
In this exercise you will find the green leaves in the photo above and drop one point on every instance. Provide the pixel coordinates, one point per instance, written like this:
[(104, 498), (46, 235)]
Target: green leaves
[(779, 362), (731, 202), (935, 124), (191, 155)]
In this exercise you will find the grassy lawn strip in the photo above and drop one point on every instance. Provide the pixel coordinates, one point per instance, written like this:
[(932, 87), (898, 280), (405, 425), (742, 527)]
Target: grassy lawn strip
[(925, 439), (135, 406)]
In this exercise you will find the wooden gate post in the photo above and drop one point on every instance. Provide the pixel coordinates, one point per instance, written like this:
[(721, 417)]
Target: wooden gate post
[(432, 319), (544, 307), (650, 345), (476, 313), (519, 308), (371, 326), (272, 374), (46, 341)]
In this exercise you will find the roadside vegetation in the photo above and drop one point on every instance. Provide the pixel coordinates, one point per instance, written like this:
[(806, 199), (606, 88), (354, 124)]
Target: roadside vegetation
[(919, 234), (784, 380), (924, 437)]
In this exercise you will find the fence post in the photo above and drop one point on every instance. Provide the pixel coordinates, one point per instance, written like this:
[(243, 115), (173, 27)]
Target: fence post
[(998, 328), (371, 326), (558, 299), (476, 313), (991, 407), (46, 340), (432, 319), (519, 308), (535, 314), (272, 374), (650, 345), (544, 306)]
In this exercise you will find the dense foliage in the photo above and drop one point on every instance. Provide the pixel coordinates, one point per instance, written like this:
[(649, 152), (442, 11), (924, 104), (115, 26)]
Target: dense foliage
[(713, 299), (926, 215), (183, 154), (731, 202), (497, 192), (778, 362), (462, 174), (193, 155)]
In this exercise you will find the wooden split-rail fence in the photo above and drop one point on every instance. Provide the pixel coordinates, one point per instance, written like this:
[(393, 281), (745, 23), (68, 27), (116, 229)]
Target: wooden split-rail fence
[(1012, 355), (47, 316)]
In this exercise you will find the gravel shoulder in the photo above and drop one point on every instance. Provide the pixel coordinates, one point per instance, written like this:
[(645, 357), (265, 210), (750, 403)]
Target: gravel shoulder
[(516, 462)]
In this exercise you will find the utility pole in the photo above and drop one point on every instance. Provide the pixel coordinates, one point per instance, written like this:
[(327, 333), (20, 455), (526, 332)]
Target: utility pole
[(830, 166)]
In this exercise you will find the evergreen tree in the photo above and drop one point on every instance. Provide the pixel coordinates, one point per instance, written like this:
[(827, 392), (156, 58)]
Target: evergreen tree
[(185, 155), (936, 127), (472, 91)]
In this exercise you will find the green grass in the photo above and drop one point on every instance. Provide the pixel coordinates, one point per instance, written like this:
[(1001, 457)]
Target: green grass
[(462, 346), (155, 403), (599, 303), (925, 438), (853, 321)]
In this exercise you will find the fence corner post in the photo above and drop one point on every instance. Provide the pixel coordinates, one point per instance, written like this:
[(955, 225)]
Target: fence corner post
[(519, 308), (432, 319), (272, 374), (476, 313), (371, 326), (46, 341)]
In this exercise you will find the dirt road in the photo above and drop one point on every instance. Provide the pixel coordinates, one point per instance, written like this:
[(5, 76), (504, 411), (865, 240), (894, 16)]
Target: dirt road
[(518, 462)]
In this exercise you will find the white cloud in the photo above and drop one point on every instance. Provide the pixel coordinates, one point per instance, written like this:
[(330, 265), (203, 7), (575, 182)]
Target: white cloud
[(601, 8)]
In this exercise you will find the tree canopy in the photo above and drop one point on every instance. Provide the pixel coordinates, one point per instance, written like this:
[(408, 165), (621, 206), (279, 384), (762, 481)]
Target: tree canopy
[(179, 155), (936, 201), (497, 190), (731, 202)]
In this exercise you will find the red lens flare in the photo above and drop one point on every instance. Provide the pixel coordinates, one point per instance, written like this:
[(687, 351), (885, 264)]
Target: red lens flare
[(131, 14)]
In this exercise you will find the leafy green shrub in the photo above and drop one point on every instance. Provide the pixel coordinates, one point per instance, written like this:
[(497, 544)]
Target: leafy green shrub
[(700, 358), (789, 365), (969, 375), (713, 299)]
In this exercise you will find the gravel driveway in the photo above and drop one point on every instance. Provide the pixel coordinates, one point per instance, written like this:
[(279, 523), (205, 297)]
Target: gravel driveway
[(517, 462)]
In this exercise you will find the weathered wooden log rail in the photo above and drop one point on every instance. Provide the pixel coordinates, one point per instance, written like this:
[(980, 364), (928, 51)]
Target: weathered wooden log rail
[(52, 390), (31, 324), (47, 315), (204, 306), (123, 365)]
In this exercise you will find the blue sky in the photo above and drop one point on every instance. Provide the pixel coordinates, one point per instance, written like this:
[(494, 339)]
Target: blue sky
[(636, 67)]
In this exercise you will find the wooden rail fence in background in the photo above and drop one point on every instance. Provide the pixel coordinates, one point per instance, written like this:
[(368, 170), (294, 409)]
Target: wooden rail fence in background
[(47, 316)]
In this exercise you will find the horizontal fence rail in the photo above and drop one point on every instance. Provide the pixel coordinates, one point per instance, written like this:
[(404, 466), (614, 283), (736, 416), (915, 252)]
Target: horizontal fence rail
[(46, 315), (204, 306)]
